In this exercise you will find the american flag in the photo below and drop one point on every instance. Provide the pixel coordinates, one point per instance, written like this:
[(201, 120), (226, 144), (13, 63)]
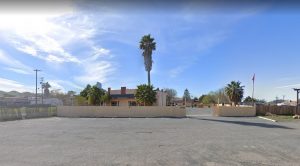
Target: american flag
[(253, 78)]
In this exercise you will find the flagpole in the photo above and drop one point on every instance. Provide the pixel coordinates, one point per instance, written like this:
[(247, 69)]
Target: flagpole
[(253, 90)]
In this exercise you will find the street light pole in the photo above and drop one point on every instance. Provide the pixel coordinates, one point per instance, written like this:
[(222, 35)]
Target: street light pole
[(36, 70)]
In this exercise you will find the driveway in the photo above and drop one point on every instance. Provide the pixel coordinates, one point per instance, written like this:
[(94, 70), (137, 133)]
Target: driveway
[(202, 140), (198, 112)]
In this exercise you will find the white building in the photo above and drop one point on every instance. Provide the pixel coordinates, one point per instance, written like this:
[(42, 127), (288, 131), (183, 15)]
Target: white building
[(48, 101)]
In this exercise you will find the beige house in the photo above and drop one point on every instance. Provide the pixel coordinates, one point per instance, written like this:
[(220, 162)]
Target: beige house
[(125, 97)]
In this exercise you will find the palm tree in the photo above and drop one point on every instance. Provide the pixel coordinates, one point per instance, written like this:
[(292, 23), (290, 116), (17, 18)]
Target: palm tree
[(235, 91), (46, 87), (147, 44)]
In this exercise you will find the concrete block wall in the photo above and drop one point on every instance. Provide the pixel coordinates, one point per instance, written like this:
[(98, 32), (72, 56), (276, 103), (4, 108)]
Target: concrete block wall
[(120, 111), (16, 113)]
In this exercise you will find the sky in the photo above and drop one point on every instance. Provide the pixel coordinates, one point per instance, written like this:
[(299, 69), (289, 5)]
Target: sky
[(200, 45)]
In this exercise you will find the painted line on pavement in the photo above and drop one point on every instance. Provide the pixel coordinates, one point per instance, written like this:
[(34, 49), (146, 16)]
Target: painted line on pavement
[(267, 119)]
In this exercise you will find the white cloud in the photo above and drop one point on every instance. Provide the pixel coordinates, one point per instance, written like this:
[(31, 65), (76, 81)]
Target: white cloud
[(41, 35), (13, 64), (20, 71), (64, 85), (199, 44), (56, 86), (176, 71), (72, 85), (10, 85), (96, 71), (53, 58), (211, 40), (51, 36), (289, 86), (28, 50), (98, 53)]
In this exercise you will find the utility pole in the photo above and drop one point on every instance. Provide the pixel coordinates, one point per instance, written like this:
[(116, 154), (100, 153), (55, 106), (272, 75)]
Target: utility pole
[(297, 90), (36, 71), (253, 79)]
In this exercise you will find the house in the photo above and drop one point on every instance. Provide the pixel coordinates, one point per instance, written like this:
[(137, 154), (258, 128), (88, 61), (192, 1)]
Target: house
[(177, 101), (122, 97), (287, 103), (125, 97)]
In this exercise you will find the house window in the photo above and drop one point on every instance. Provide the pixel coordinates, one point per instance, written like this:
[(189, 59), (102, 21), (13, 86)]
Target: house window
[(114, 103), (131, 103)]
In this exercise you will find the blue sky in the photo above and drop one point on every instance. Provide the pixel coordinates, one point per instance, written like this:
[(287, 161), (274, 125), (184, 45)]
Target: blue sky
[(200, 46)]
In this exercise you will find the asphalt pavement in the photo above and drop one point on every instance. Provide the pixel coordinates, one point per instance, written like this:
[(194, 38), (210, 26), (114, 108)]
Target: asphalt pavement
[(199, 139)]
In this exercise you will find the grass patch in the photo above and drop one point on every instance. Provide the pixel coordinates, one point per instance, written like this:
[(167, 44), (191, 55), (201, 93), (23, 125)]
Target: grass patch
[(282, 118)]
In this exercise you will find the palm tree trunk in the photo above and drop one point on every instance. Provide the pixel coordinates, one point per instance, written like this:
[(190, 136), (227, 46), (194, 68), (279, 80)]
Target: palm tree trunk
[(148, 78)]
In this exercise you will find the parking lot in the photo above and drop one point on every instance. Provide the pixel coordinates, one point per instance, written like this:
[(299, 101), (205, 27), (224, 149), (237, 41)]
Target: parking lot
[(199, 139)]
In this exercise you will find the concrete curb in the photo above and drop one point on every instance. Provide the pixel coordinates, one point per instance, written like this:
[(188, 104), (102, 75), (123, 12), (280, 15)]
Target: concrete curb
[(267, 119)]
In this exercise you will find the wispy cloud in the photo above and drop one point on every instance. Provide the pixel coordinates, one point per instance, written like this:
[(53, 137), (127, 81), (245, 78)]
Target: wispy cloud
[(72, 39), (16, 70), (218, 22), (13, 64), (290, 78), (176, 71), (288, 86), (200, 45), (55, 39), (63, 84), (56, 86), (98, 52), (45, 36), (96, 71), (10, 85)]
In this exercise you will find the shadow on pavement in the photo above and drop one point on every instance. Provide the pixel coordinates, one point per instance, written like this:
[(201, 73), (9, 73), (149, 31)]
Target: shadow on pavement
[(264, 125)]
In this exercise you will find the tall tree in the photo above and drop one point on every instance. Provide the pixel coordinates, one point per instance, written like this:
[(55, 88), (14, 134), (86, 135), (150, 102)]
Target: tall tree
[(171, 94), (208, 99), (235, 91), (85, 91), (106, 98), (79, 100), (249, 99), (147, 44), (201, 98), (145, 94), (221, 96), (46, 87), (94, 95), (186, 95)]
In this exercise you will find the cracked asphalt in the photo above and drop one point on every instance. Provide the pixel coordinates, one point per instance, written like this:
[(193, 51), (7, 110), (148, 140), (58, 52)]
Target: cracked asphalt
[(199, 139)]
